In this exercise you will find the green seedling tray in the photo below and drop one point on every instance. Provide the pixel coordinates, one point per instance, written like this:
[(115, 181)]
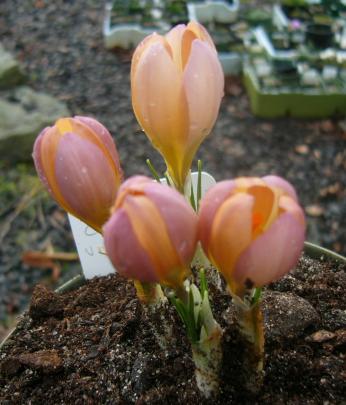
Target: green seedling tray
[(295, 104)]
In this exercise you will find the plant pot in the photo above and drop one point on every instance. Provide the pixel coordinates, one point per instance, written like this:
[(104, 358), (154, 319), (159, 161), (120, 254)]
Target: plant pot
[(321, 36), (107, 352)]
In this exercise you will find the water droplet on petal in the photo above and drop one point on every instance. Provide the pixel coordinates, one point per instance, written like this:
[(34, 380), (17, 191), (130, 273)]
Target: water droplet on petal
[(182, 246)]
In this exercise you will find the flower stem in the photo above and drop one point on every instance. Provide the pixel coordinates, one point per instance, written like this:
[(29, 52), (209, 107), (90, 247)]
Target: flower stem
[(193, 306), (207, 356), (157, 313), (153, 170), (250, 324), (199, 183), (149, 293)]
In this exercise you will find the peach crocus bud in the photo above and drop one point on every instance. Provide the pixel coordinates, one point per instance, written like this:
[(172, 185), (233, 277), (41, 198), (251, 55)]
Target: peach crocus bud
[(151, 235), (252, 229), (77, 161), (177, 85)]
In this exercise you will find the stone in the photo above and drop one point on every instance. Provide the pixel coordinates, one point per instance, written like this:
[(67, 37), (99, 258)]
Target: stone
[(11, 73), (320, 336), (23, 114), (287, 315)]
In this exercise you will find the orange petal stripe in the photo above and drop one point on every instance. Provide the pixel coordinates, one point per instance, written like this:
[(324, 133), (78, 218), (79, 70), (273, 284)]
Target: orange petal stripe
[(231, 232), (151, 232), (265, 208), (188, 37)]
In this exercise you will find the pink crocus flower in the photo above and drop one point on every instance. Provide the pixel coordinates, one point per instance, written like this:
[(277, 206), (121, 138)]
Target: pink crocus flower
[(151, 235), (252, 230), (77, 160)]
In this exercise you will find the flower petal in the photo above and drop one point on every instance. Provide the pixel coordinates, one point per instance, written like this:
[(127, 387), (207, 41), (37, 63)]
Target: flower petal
[(152, 233), (210, 203), (231, 233), (272, 254), (203, 83), (244, 183), (38, 158), (103, 133), (141, 48), (279, 182), (201, 33), (174, 39), (265, 207), (160, 105), (287, 204), (180, 219), (84, 179), (125, 251), (186, 45)]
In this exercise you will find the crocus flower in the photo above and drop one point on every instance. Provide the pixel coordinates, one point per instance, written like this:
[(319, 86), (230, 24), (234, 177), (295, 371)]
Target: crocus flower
[(151, 235), (77, 161), (252, 230), (177, 85)]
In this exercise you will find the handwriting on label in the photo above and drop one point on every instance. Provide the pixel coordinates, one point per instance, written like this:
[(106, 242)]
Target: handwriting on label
[(90, 249)]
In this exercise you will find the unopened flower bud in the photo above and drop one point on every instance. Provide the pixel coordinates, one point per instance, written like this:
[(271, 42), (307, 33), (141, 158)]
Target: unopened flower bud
[(252, 230), (77, 161), (151, 235)]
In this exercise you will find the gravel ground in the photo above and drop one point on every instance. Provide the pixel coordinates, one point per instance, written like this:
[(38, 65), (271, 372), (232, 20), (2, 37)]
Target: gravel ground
[(60, 46)]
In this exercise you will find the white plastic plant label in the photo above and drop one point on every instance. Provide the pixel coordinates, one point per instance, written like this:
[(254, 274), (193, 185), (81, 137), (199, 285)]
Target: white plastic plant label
[(90, 246), (90, 249)]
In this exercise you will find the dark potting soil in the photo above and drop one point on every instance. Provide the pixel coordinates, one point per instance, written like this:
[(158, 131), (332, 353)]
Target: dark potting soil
[(60, 46), (94, 345)]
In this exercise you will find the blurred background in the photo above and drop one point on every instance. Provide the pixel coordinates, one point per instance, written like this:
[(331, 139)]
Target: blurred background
[(283, 111)]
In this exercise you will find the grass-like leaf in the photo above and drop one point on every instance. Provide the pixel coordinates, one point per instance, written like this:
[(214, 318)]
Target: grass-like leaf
[(153, 171)]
